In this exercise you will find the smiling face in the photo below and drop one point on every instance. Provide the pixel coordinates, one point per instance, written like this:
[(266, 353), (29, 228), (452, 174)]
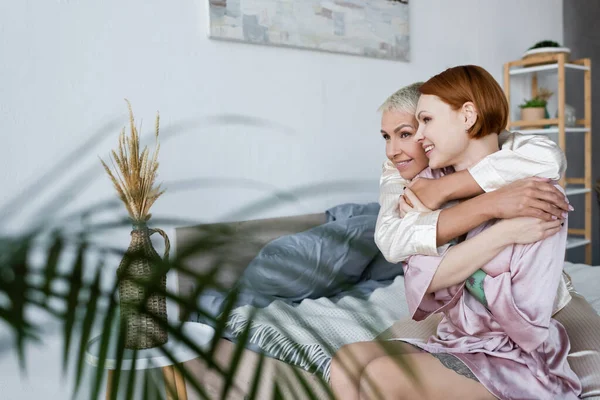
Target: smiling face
[(442, 131), (398, 128)]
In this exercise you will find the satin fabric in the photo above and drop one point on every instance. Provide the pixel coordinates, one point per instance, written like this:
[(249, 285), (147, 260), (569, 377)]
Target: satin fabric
[(516, 349)]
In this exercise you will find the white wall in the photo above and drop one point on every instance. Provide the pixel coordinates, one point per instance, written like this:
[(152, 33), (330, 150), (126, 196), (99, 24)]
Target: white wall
[(65, 67)]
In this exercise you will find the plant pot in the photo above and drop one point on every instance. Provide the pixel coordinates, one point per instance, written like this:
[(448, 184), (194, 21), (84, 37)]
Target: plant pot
[(545, 55), (143, 320), (532, 114)]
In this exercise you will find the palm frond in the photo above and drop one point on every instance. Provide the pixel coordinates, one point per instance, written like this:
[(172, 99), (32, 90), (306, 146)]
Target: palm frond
[(76, 285)]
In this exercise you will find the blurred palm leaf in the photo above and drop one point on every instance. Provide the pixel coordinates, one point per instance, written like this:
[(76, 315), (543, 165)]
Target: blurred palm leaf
[(86, 303)]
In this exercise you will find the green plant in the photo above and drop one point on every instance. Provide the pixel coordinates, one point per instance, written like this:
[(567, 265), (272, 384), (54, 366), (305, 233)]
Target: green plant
[(536, 102), (539, 101), (544, 43)]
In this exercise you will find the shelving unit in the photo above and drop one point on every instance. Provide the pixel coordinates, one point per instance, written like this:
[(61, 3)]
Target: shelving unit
[(580, 186)]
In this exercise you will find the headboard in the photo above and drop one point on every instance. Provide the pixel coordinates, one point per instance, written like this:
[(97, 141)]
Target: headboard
[(231, 246)]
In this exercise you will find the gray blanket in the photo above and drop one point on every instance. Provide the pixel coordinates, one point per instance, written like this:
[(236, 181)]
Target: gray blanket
[(333, 260)]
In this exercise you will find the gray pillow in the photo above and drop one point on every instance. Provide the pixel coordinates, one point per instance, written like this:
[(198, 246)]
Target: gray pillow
[(319, 262)]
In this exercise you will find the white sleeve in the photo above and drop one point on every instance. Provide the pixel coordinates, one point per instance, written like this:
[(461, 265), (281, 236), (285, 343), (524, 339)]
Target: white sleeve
[(399, 238), (521, 156)]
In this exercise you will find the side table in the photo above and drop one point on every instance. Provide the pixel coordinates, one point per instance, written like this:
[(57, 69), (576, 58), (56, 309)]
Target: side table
[(200, 334)]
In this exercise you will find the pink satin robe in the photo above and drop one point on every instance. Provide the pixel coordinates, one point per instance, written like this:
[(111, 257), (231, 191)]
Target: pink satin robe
[(516, 350)]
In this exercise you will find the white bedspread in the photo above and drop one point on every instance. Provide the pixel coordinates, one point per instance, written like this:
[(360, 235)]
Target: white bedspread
[(307, 335)]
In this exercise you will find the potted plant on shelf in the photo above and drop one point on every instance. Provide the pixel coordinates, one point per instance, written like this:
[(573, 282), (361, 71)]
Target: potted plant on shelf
[(535, 109), (545, 48)]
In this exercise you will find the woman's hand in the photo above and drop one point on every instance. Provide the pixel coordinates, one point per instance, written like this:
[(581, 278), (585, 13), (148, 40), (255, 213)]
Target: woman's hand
[(409, 202), (526, 230), (530, 197), (429, 191), (434, 193)]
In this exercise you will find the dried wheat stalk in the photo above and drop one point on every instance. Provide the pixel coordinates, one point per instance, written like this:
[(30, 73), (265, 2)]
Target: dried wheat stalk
[(135, 173)]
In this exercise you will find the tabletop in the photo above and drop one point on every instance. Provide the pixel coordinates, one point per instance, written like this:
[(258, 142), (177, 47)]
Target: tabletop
[(199, 334)]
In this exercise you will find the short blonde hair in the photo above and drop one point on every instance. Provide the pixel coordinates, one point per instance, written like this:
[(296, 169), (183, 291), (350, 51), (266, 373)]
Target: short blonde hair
[(405, 99)]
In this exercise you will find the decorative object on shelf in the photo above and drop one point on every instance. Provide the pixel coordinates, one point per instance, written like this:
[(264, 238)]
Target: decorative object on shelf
[(535, 108), (570, 116), (532, 110), (375, 28), (545, 48), (141, 273)]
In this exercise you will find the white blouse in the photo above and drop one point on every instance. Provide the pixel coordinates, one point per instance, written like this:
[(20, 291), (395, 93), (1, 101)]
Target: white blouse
[(521, 156)]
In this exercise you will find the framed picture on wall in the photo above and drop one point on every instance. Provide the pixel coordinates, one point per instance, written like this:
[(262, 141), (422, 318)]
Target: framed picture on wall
[(370, 28)]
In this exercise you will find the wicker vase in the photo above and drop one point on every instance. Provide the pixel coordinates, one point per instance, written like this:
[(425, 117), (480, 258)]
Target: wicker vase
[(138, 275)]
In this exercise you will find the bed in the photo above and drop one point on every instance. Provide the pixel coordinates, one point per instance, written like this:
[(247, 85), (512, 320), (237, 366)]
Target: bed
[(234, 255)]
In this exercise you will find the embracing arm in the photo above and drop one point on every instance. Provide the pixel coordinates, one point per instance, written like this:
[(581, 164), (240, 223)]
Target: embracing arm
[(522, 156), (462, 260), (433, 283), (526, 197), (460, 219), (398, 238)]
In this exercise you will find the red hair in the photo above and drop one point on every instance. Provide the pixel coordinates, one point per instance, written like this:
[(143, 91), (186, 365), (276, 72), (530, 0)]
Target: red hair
[(458, 85)]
